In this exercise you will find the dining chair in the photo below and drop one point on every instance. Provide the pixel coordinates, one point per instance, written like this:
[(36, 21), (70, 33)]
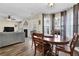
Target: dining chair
[(68, 49), (37, 35), (40, 44)]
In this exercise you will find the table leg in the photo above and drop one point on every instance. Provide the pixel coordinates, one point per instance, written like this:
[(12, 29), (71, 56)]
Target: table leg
[(56, 52)]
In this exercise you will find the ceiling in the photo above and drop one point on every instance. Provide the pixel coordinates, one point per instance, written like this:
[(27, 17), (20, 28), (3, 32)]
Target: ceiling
[(30, 10)]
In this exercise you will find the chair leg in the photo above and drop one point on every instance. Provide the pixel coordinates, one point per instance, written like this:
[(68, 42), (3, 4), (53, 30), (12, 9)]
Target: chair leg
[(48, 52), (56, 51), (71, 54), (52, 48), (43, 54), (35, 52)]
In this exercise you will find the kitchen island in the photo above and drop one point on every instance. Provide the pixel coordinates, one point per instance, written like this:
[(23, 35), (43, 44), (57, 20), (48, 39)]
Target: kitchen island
[(8, 38)]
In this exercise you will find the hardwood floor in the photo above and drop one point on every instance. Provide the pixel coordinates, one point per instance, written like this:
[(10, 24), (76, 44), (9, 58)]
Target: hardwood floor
[(21, 49)]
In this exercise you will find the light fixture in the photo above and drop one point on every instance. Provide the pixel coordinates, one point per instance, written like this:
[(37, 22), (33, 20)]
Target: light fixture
[(51, 4), (9, 18)]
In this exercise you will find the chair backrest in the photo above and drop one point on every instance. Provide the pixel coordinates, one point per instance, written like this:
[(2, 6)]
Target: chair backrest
[(37, 38), (74, 41)]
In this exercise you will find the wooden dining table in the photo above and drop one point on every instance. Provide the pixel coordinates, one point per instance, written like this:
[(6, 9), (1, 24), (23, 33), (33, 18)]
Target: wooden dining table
[(55, 40)]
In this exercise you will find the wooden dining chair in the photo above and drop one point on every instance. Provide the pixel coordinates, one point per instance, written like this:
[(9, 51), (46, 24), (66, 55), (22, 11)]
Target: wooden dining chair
[(37, 35), (71, 46), (39, 44)]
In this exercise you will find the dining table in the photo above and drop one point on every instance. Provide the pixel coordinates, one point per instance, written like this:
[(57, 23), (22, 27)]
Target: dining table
[(55, 40)]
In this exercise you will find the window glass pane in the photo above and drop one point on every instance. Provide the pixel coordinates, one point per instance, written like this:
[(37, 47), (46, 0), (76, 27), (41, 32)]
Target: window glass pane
[(47, 24), (69, 24), (57, 21)]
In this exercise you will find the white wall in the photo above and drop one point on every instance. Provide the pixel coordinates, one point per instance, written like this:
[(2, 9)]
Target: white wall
[(6, 23), (33, 24)]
